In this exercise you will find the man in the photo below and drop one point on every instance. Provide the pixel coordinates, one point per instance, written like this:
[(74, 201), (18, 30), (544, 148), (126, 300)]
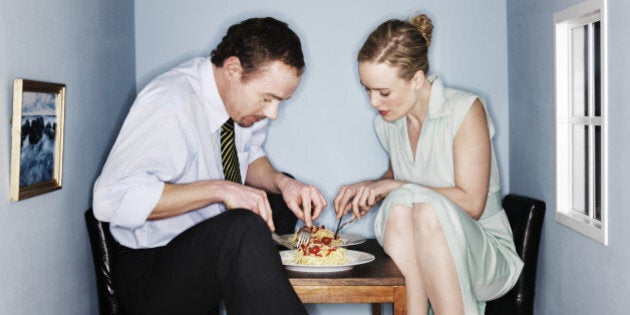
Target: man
[(193, 233)]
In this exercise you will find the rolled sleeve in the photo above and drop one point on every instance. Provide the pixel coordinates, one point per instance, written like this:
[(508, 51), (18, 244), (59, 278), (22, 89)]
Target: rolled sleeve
[(142, 160), (137, 204)]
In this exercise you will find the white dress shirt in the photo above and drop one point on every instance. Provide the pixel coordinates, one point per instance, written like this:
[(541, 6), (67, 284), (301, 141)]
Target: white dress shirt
[(171, 135)]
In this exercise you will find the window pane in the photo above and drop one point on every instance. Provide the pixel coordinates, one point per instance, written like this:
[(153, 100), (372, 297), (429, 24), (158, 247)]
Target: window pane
[(598, 174), (579, 189), (596, 70), (579, 66)]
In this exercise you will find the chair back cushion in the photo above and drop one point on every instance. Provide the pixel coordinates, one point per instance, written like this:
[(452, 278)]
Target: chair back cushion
[(104, 248), (526, 217)]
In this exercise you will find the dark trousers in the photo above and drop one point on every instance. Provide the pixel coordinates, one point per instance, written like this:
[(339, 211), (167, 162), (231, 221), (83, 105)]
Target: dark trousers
[(230, 257)]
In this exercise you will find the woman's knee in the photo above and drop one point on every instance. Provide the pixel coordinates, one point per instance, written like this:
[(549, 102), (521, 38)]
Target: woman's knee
[(399, 219), (425, 219), (398, 232), (399, 203)]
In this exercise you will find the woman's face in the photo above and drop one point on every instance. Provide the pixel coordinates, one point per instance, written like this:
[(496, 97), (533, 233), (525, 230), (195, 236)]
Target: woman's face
[(392, 96)]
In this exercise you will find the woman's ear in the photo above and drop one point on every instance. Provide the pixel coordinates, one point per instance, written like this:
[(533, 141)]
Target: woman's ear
[(233, 68), (419, 79)]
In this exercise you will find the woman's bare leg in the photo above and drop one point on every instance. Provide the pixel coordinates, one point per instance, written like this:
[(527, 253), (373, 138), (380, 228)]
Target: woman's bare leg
[(399, 244), (435, 262)]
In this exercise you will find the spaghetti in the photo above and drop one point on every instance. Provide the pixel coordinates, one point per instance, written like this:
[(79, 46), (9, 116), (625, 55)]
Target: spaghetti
[(321, 249), (319, 235)]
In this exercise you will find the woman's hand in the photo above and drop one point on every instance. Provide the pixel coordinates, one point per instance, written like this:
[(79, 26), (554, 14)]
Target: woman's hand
[(362, 196)]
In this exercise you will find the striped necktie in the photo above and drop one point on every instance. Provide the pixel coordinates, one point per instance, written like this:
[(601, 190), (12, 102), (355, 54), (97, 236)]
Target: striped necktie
[(231, 170)]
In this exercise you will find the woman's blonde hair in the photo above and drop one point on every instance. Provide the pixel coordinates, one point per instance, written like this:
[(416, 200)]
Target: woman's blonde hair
[(401, 44)]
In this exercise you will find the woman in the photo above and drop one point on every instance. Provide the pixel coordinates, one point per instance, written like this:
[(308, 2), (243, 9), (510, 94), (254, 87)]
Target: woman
[(441, 219)]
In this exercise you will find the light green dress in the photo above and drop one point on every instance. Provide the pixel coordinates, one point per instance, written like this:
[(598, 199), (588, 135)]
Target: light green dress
[(486, 261)]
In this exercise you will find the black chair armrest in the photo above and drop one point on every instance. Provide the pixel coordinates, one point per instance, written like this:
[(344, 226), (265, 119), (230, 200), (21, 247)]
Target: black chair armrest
[(526, 216), (104, 248)]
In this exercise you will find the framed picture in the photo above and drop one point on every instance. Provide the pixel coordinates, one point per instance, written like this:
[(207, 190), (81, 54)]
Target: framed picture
[(37, 138)]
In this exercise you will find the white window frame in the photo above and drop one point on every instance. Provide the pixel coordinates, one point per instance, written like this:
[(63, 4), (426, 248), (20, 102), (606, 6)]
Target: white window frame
[(575, 16)]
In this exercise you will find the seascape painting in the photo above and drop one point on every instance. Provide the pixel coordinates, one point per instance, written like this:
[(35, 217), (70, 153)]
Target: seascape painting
[(38, 138)]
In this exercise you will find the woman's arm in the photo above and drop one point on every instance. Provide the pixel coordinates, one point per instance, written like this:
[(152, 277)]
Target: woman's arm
[(472, 159)]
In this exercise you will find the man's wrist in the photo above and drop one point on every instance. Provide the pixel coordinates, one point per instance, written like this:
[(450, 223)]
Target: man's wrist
[(282, 181)]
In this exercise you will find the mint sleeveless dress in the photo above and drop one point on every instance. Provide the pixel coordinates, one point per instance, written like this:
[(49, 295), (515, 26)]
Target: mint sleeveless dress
[(486, 261)]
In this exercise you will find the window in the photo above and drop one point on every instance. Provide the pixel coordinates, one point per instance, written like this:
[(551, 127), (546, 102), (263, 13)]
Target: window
[(581, 110)]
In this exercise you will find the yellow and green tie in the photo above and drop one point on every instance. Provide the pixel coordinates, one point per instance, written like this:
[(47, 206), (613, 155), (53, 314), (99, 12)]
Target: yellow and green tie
[(231, 170)]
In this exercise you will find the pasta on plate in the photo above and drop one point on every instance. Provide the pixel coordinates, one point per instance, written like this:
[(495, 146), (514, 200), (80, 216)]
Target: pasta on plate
[(322, 249)]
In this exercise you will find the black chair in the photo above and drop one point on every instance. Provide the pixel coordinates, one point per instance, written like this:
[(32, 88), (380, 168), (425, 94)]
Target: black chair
[(526, 217), (104, 248)]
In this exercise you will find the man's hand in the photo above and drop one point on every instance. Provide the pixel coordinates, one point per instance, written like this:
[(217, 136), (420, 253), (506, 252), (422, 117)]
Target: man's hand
[(306, 201), (246, 197), (181, 198)]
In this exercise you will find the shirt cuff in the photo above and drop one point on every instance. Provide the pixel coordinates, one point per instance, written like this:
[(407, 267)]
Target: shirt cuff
[(137, 205)]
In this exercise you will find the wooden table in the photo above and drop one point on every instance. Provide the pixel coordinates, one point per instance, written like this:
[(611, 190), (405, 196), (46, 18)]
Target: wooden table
[(379, 281)]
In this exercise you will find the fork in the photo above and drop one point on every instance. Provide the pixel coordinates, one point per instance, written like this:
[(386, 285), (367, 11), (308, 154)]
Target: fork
[(304, 236), (278, 239), (341, 226)]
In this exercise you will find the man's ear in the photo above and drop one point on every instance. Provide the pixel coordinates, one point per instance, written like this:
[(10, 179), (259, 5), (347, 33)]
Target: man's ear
[(232, 67)]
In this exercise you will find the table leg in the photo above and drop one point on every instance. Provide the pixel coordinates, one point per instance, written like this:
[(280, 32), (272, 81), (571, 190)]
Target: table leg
[(400, 300), (376, 308)]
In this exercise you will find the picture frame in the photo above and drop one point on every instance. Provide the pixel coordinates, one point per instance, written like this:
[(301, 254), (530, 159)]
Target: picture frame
[(37, 138)]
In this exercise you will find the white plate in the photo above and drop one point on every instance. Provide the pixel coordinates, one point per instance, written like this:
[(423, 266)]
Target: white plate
[(354, 258), (347, 240)]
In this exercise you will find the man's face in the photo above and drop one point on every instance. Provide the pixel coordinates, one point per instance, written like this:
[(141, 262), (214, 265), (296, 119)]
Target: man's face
[(259, 96)]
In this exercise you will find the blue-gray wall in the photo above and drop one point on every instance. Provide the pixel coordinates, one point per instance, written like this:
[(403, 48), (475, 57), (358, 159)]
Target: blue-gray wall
[(45, 265), (324, 134), (576, 275), (45, 262)]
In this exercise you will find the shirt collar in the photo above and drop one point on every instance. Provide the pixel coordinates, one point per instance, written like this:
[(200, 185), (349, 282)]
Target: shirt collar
[(438, 103), (217, 115)]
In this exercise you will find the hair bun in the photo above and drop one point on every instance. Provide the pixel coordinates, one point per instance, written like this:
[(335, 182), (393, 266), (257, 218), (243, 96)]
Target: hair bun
[(424, 25)]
